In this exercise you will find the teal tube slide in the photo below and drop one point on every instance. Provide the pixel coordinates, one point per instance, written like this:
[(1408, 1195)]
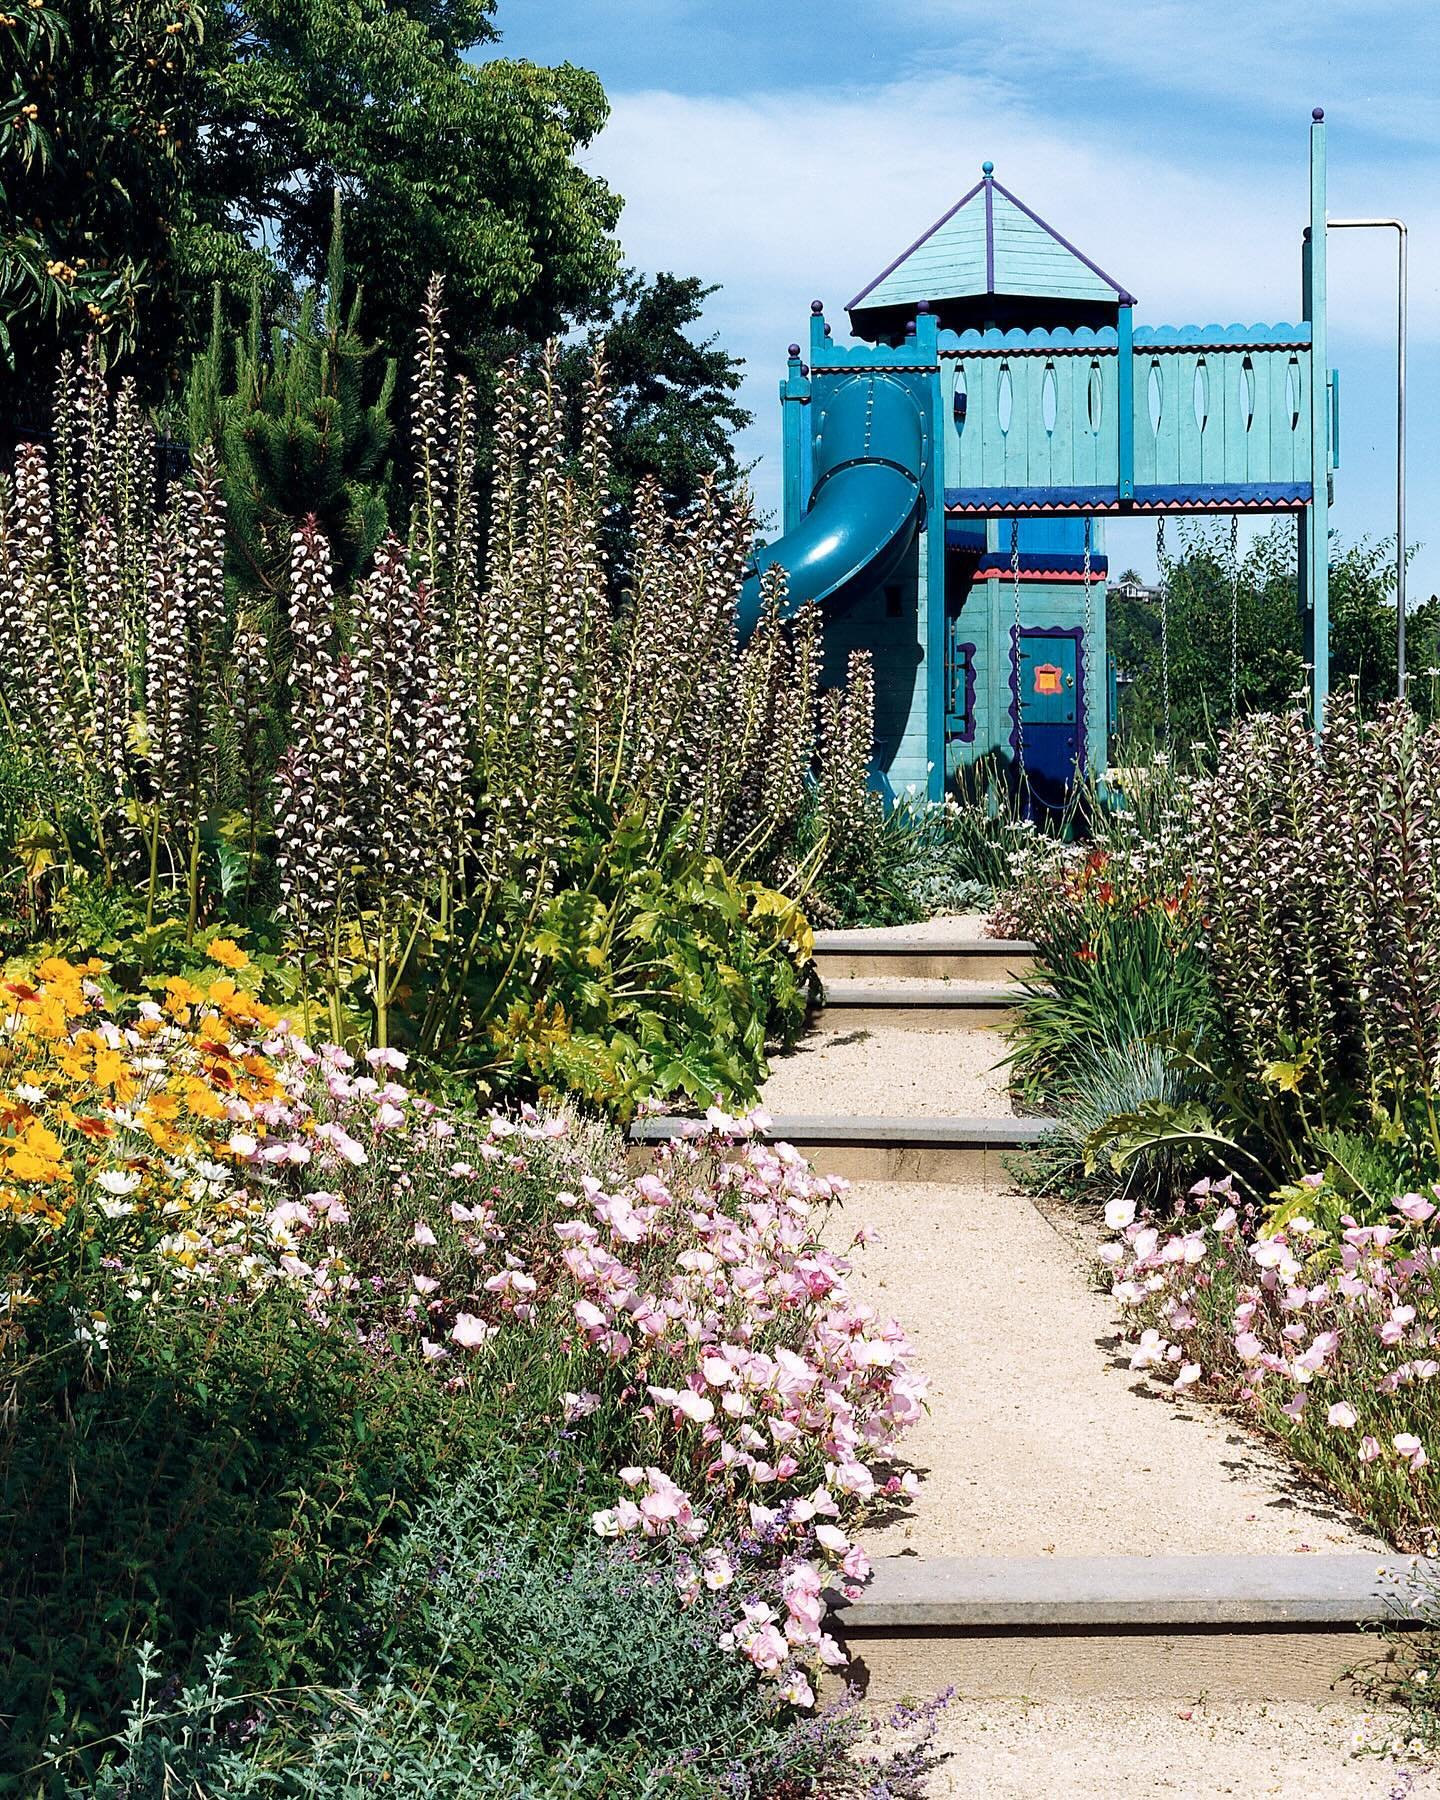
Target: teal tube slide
[(865, 505)]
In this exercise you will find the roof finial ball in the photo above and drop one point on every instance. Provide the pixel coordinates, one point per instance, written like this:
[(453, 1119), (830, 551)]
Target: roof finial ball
[(987, 169), (817, 306), (1318, 115), (794, 350)]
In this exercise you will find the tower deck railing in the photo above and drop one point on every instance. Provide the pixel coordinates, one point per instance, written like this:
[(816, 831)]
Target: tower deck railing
[(1169, 419)]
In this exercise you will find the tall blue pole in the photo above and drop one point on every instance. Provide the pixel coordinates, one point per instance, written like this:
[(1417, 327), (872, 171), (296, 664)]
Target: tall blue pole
[(932, 540), (1315, 524)]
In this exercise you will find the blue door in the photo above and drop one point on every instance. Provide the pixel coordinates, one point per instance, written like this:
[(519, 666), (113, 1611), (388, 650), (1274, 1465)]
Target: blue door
[(1052, 710)]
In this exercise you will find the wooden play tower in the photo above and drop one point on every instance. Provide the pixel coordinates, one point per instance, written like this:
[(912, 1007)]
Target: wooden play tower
[(948, 472)]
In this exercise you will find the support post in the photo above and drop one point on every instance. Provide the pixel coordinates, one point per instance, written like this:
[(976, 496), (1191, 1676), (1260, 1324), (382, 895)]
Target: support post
[(927, 350), (1125, 400), (1315, 524), (794, 415)]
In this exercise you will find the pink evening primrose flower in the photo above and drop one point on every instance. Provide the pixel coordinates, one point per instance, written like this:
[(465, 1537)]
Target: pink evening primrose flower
[(1408, 1445), (470, 1333), (1416, 1208), (1341, 1415)]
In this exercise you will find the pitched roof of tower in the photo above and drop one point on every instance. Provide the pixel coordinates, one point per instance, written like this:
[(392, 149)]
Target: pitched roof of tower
[(990, 242)]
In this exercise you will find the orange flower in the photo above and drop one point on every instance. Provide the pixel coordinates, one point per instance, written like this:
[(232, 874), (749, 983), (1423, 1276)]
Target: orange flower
[(227, 953), (201, 1100), (36, 1155), (181, 995)]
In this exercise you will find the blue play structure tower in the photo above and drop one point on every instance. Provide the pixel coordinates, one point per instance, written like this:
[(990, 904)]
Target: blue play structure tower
[(947, 475)]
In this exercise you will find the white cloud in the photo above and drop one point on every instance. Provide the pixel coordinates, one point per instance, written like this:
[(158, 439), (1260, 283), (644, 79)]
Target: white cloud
[(1370, 63)]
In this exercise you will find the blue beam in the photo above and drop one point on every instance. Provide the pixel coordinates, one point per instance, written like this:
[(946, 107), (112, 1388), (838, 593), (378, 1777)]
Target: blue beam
[(1125, 400)]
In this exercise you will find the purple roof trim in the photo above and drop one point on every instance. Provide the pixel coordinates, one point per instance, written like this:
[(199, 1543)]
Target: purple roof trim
[(944, 219), (989, 234), (1126, 299)]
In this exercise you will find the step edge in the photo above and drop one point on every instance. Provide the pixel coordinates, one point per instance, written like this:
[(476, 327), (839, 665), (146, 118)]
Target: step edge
[(923, 1132), (920, 991), (829, 943), (1218, 1592)]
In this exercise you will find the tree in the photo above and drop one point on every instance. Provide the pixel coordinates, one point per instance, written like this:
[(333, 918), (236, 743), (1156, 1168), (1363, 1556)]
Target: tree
[(443, 164), (154, 147), (674, 395), (1269, 638), (300, 420), (99, 113)]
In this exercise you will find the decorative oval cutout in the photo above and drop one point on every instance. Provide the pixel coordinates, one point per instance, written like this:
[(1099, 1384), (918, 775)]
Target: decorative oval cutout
[(1155, 388), (1005, 398), (1292, 390), (1202, 395), (1049, 398), (1094, 396), (1247, 391), (961, 403)]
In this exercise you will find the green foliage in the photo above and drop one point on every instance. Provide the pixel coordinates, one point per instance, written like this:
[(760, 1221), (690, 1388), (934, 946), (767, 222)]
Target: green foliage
[(1107, 1091), (155, 147), (502, 1657), (921, 861), (652, 972), (1269, 635), (675, 407), (302, 97), (300, 422), (223, 1470), (101, 109), (1109, 974), (1322, 893)]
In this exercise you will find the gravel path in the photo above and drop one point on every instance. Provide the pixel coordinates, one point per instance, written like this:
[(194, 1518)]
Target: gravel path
[(1039, 1439), (929, 931), (1017, 1750), (878, 1072)]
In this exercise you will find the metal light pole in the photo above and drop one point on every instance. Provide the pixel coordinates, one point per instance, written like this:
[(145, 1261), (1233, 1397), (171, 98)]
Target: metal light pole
[(1399, 227)]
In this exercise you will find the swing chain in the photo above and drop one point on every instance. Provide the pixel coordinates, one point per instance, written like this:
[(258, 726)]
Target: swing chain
[(1163, 571), (1234, 616), (1019, 681)]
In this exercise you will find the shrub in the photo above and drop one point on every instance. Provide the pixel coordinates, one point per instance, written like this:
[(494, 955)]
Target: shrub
[(919, 860), (1323, 1334), (1322, 889), (261, 1300), (174, 1472), (417, 776)]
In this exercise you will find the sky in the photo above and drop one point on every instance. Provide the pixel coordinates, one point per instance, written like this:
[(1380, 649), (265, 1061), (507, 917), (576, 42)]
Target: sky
[(789, 152)]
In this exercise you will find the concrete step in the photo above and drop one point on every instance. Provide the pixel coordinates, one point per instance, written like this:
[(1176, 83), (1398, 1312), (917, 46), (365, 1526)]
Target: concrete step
[(864, 955), (917, 1003), (1278, 1627), (969, 1150)]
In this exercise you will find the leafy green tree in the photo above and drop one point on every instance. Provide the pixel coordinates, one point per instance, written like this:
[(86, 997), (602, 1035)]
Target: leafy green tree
[(153, 148), (300, 419), (675, 406), (100, 109), (465, 167)]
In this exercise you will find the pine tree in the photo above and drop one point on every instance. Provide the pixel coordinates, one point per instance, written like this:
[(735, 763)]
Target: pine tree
[(300, 419)]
